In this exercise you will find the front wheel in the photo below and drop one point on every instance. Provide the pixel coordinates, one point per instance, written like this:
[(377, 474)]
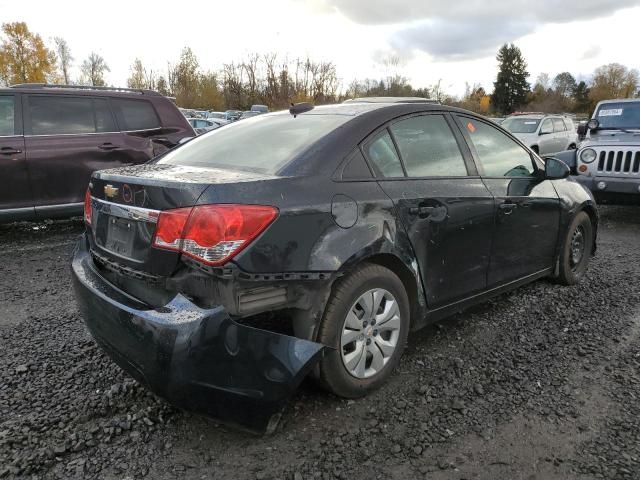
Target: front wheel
[(576, 250), (367, 323)]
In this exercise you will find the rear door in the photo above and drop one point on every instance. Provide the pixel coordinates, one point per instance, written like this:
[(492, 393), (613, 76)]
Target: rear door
[(14, 178), (445, 208), (142, 133), (67, 138), (527, 206)]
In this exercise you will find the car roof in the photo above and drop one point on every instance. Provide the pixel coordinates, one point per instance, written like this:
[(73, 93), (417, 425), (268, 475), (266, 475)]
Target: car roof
[(620, 100), (79, 90), (390, 100)]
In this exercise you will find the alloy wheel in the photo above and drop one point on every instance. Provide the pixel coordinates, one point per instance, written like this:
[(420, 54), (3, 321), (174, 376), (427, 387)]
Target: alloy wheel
[(370, 333)]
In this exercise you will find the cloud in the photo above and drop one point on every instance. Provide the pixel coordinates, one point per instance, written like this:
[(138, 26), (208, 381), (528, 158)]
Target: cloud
[(457, 40), (592, 52), (466, 28)]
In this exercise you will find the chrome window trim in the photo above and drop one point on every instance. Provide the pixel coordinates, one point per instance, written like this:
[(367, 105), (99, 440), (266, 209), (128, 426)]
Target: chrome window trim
[(125, 211)]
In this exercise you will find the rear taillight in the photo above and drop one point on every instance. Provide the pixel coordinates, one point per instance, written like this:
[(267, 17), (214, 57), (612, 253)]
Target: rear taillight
[(212, 234), (87, 207)]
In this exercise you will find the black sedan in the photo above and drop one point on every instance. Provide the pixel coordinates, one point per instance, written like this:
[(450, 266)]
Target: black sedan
[(314, 241)]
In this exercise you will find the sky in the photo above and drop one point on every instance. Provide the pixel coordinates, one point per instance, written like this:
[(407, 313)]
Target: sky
[(435, 40)]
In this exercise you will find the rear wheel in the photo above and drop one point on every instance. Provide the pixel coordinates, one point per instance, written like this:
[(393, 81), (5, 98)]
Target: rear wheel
[(367, 322), (576, 251)]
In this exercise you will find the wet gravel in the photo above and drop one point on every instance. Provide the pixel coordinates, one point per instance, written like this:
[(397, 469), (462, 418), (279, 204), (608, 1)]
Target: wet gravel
[(541, 383)]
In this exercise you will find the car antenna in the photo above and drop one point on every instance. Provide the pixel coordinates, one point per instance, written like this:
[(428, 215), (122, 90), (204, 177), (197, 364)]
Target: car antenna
[(298, 108)]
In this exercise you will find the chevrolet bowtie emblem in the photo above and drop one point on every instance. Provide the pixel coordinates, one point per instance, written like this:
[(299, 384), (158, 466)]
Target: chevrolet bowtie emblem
[(110, 191)]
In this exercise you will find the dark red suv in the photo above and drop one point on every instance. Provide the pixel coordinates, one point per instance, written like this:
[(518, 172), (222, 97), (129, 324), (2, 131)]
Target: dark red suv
[(53, 137)]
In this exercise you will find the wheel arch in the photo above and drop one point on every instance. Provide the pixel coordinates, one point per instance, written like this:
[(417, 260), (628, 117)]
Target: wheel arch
[(409, 277)]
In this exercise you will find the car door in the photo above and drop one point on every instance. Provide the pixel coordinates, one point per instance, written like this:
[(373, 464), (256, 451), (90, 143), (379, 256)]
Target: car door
[(560, 134), (142, 134), (527, 212), (546, 140), (67, 138), (15, 192), (443, 205)]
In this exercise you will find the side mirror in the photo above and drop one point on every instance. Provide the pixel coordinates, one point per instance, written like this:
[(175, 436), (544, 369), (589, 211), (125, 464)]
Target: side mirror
[(593, 124), (555, 169)]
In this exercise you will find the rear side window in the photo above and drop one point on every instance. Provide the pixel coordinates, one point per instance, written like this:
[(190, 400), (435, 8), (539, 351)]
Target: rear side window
[(7, 115), (428, 147), (356, 167), (499, 155), (58, 115), (558, 125), (382, 154), (135, 114)]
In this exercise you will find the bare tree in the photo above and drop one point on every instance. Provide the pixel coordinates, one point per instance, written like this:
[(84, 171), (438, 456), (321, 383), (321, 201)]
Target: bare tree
[(63, 52), (93, 70)]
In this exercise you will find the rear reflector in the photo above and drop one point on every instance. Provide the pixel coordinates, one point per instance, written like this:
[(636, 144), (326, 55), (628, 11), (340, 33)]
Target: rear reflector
[(212, 234), (87, 207)]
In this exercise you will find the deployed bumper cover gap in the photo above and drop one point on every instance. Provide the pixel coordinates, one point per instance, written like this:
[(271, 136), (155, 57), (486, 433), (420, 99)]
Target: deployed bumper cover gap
[(198, 359)]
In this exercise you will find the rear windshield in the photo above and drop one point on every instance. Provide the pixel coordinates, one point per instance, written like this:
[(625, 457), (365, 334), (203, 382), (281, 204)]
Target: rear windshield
[(521, 125), (264, 144)]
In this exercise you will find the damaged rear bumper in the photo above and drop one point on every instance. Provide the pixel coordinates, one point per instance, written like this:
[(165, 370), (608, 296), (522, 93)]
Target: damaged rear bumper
[(198, 359)]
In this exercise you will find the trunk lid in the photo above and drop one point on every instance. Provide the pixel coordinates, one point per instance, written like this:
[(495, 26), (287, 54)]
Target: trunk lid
[(126, 203)]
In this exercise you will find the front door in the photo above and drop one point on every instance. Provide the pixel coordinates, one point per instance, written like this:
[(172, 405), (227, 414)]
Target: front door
[(67, 138), (527, 206), (15, 192), (445, 208)]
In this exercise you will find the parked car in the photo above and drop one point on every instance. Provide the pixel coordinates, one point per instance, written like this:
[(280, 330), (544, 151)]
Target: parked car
[(497, 120), (315, 240), (608, 160), (248, 114), (218, 115), (232, 115), (544, 134), (202, 125), (260, 108), (52, 137)]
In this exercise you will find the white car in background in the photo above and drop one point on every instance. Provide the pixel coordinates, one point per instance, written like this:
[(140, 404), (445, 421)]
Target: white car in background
[(544, 134)]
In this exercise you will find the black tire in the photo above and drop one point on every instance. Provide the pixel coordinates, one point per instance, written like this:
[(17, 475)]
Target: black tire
[(535, 149), (572, 267), (333, 373)]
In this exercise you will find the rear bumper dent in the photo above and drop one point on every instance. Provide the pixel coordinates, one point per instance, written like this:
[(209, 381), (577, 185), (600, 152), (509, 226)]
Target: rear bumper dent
[(197, 359)]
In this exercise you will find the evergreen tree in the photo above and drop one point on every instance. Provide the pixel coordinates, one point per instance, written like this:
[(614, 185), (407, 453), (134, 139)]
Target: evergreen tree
[(581, 98), (511, 87)]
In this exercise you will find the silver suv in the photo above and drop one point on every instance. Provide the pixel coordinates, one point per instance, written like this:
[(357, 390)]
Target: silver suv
[(608, 160), (544, 134)]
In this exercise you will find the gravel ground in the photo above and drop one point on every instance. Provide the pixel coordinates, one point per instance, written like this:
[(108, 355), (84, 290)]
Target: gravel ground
[(542, 383)]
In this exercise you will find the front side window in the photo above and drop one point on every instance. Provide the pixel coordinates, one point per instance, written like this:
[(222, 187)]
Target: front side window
[(499, 155), (383, 156), (558, 125), (7, 115), (135, 114), (428, 147), (61, 115), (521, 124), (547, 126)]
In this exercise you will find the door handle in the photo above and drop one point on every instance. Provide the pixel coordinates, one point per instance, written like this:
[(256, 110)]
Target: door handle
[(108, 146), (9, 151), (422, 211), (507, 208)]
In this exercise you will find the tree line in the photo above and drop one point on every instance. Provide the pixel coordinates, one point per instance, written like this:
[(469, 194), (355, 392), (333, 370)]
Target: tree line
[(276, 81)]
